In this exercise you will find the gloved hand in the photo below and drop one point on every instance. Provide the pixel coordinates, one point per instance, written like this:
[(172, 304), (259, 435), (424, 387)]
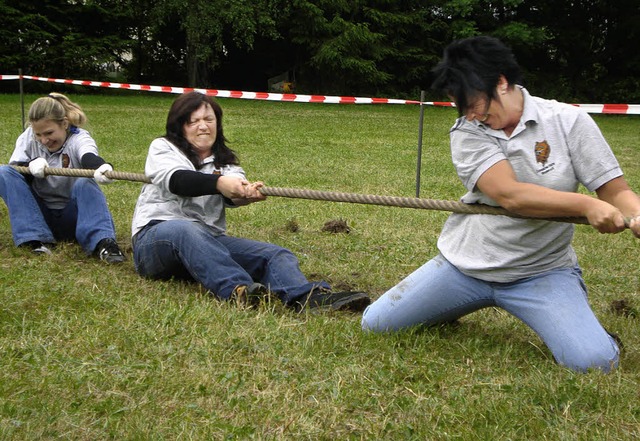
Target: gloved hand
[(36, 167), (99, 176)]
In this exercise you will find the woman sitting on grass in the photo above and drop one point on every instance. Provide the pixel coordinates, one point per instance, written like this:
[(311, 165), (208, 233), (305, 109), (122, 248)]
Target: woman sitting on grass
[(179, 222), (528, 155), (44, 209)]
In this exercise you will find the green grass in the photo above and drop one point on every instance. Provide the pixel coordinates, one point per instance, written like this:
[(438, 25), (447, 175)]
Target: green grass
[(90, 352)]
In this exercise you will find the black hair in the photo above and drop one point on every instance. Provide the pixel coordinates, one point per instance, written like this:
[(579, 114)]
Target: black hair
[(472, 66), (179, 115)]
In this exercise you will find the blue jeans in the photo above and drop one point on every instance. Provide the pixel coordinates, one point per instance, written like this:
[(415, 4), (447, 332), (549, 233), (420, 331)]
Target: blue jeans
[(192, 250), (86, 218), (553, 304)]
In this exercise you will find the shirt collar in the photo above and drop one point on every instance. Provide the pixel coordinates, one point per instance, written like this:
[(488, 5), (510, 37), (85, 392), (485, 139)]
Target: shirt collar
[(529, 115), (207, 160), (530, 110)]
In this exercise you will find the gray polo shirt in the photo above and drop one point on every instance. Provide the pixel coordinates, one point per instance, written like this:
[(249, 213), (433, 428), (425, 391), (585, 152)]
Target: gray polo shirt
[(555, 145), (55, 191), (156, 202)]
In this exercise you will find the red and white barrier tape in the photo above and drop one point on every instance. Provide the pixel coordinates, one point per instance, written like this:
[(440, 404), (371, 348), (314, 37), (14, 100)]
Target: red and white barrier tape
[(620, 109)]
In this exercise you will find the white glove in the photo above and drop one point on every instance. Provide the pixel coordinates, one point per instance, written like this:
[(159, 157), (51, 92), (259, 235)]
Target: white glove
[(36, 167), (99, 176)]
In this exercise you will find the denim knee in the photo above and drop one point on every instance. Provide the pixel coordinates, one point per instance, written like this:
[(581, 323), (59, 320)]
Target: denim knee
[(605, 359), (83, 184), (372, 319), (8, 174)]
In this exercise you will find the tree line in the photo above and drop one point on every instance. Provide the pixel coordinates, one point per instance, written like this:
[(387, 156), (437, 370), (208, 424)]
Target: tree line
[(576, 51)]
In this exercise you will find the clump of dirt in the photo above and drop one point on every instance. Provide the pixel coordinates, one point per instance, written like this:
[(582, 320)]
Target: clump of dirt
[(336, 226), (623, 307), (292, 226)]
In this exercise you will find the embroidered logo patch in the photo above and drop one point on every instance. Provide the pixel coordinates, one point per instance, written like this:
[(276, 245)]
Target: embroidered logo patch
[(65, 160), (542, 151)]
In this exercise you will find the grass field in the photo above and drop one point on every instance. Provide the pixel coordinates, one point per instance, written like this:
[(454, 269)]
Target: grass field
[(94, 352)]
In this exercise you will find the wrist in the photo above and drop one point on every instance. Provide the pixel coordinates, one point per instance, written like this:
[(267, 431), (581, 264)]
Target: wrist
[(633, 218)]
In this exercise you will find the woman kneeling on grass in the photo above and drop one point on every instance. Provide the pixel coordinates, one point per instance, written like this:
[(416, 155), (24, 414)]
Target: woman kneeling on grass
[(527, 155), (43, 209), (179, 221)]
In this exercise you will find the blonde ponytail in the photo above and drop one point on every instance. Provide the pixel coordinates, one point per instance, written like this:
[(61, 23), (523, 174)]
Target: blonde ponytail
[(56, 107)]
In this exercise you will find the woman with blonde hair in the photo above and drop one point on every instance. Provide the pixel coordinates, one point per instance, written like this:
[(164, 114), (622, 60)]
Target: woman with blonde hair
[(45, 209)]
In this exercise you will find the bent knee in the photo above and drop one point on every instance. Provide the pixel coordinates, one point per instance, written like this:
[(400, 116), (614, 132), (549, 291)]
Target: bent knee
[(372, 321), (277, 255), (7, 171), (82, 185), (603, 359)]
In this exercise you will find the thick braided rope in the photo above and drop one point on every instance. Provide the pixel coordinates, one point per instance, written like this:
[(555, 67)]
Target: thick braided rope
[(395, 201), (86, 173), (332, 196)]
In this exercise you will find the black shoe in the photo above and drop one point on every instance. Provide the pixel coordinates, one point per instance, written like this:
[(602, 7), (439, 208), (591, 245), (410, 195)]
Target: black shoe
[(108, 251), (325, 300), (251, 295), (38, 247), (617, 339)]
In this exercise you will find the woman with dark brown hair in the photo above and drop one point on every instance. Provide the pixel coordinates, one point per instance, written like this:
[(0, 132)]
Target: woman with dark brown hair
[(179, 226)]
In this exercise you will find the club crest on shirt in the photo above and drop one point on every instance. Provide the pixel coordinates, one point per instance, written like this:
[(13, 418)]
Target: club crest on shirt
[(542, 151), (65, 160)]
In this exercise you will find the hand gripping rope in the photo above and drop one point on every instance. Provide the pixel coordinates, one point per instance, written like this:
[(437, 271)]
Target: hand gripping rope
[(332, 196)]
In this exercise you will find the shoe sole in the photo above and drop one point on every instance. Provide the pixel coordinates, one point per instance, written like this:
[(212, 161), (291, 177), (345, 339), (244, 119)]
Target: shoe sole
[(42, 250), (356, 303), (112, 259)]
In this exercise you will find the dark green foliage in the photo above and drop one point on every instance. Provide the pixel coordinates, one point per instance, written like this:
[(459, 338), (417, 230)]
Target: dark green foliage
[(359, 47)]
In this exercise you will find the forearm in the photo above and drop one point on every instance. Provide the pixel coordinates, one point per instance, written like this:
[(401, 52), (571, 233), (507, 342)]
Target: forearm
[(192, 183), (535, 201), (526, 199), (618, 194)]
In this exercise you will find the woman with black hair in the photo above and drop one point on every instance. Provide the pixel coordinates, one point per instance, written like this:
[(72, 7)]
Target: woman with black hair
[(179, 226), (528, 155)]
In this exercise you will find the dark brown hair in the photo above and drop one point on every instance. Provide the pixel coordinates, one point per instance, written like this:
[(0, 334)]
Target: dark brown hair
[(179, 115)]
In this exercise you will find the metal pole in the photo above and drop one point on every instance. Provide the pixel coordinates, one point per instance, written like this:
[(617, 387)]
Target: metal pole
[(21, 96), (420, 128)]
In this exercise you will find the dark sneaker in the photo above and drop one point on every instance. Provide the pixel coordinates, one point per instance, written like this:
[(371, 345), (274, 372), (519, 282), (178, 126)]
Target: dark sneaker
[(108, 251), (38, 247), (251, 295), (617, 339), (325, 300)]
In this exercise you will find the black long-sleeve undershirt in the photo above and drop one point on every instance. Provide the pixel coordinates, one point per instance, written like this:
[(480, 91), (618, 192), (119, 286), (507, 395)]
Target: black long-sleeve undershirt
[(91, 161), (192, 183)]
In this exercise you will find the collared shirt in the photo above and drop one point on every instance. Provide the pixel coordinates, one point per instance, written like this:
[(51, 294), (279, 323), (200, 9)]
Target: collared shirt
[(554, 145), (157, 203), (55, 191)]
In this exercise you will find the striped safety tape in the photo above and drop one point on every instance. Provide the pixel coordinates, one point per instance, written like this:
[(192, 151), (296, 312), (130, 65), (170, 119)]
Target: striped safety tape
[(619, 109)]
